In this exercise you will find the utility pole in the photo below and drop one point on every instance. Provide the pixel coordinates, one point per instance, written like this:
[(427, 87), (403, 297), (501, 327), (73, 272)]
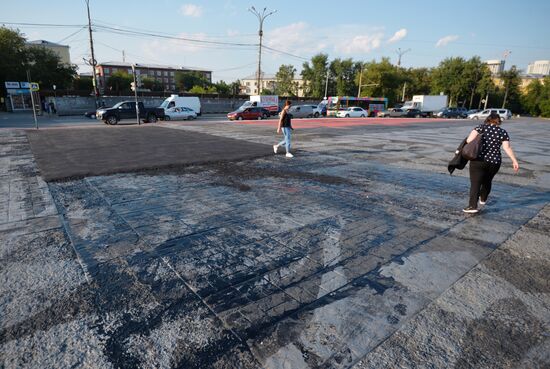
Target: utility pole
[(506, 83), (261, 17), (135, 93), (93, 61), (400, 54), (326, 85), (360, 81), (123, 56), (404, 88)]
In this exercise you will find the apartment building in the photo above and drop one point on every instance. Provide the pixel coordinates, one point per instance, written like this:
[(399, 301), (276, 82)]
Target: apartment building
[(166, 75), (61, 50), (495, 66), (540, 67)]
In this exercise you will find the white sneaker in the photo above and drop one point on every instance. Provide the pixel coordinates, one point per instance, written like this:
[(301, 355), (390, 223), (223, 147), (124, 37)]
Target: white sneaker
[(482, 202), (275, 148), (289, 155)]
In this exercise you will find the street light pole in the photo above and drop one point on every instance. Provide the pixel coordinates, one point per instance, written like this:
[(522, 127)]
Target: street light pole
[(261, 17), (93, 62), (32, 99), (135, 93)]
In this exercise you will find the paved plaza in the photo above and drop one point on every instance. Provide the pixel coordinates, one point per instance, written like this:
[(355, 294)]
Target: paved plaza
[(354, 254)]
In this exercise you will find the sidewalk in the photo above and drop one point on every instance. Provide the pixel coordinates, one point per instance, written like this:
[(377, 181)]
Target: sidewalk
[(354, 254)]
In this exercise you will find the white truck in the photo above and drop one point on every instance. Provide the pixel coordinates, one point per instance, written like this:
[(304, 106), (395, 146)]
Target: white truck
[(428, 104), (176, 101), (268, 102)]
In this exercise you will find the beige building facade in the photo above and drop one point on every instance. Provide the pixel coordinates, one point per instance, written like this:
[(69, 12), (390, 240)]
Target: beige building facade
[(541, 67), (60, 50), (249, 84)]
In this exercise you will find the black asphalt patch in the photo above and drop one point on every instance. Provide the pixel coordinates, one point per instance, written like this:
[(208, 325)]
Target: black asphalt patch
[(80, 152)]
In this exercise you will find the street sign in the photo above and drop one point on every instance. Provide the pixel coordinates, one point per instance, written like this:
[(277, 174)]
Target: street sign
[(34, 86), (24, 84), (11, 84)]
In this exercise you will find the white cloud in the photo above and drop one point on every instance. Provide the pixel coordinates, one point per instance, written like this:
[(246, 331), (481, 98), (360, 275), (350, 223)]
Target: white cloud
[(232, 32), (191, 10), (302, 39), (445, 40), (361, 44), (399, 35)]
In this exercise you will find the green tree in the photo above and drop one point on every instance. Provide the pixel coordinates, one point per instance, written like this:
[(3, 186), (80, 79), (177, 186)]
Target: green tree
[(382, 79), (46, 68), (544, 104), (485, 86), (418, 81), (43, 64), (474, 70), (448, 78), (187, 80), (511, 82), (235, 87), (151, 84), (285, 80), (531, 99), (200, 90), (13, 57), (119, 81), (314, 75), (222, 88), (344, 73), (83, 83)]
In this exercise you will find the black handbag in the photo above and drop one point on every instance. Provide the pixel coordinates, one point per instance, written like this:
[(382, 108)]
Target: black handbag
[(472, 149)]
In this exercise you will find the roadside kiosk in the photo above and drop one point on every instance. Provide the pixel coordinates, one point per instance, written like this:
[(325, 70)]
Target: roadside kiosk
[(18, 97)]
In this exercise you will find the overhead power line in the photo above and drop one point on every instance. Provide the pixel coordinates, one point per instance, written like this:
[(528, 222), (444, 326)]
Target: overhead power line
[(150, 34), (43, 24)]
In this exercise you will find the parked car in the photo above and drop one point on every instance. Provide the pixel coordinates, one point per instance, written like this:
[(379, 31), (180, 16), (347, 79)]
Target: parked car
[(127, 110), (472, 111), (317, 110), (352, 112), (463, 112), (90, 114), (249, 114), (414, 113), (449, 113), (503, 113), (393, 112), (179, 113), (322, 109), (301, 111)]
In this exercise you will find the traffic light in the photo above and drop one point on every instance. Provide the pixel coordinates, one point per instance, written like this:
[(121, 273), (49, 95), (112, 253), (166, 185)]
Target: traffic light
[(133, 86)]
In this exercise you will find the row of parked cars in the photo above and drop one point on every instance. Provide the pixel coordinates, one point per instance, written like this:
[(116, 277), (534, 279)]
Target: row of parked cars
[(446, 113), (258, 113)]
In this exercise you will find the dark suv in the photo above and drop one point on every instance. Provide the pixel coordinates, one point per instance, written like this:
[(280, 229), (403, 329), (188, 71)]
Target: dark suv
[(449, 113)]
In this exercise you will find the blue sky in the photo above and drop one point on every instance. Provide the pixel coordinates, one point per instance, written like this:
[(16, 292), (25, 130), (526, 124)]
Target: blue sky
[(363, 30)]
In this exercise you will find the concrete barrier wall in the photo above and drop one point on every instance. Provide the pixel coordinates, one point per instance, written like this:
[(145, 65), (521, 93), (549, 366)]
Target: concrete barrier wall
[(78, 105)]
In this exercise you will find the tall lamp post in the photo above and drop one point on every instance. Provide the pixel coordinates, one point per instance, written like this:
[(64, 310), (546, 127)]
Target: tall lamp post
[(93, 61), (261, 17)]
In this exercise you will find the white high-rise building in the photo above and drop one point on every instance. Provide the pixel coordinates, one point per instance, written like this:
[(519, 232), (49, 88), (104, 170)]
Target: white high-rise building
[(495, 66), (541, 67)]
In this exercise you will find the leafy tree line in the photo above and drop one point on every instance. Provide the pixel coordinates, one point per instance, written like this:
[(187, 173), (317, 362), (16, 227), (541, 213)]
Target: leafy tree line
[(45, 67), (467, 83)]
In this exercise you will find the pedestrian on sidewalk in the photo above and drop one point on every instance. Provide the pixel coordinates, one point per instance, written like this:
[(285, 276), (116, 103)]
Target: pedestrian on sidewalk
[(52, 108), (486, 166), (286, 126)]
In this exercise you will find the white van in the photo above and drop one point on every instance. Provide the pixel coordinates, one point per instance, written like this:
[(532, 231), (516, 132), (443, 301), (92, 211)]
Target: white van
[(191, 102)]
